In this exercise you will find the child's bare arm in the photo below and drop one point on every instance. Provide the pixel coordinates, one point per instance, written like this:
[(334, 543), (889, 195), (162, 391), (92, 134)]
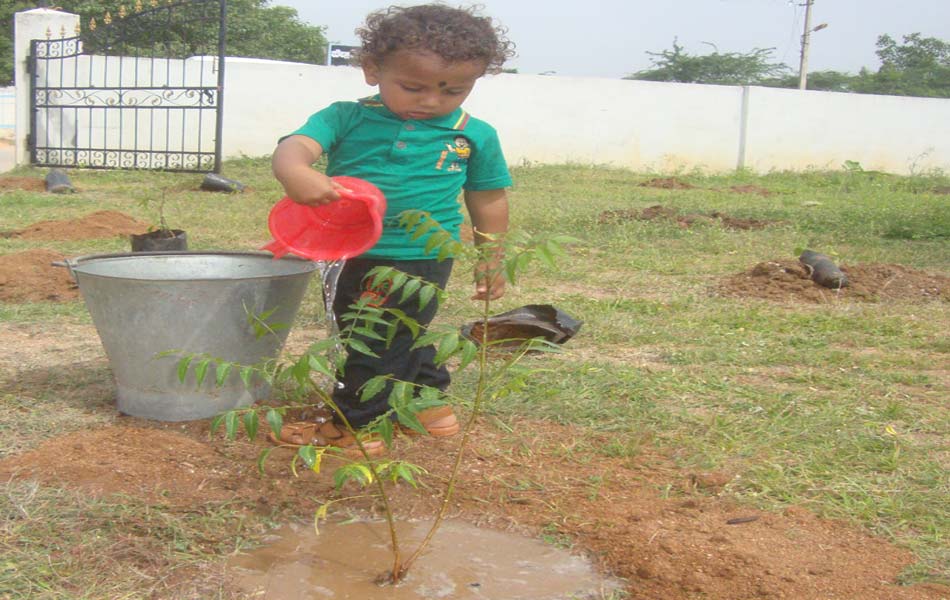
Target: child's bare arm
[(488, 210), (292, 165)]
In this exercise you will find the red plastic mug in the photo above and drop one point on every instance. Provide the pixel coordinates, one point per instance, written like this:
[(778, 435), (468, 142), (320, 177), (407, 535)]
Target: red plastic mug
[(341, 229)]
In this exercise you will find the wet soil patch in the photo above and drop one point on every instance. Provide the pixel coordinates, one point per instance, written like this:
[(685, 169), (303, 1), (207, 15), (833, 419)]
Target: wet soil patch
[(26, 184), (692, 543), (659, 212), (100, 224), (785, 280), (463, 561), (30, 277)]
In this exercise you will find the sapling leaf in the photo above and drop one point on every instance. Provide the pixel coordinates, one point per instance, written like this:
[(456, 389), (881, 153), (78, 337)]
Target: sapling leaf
[(385, 430), (447, 249), (262, 457), (183, 365), (216, 422), (246, 374), (276, 422), (231, 424), (428, 397), (301, 370), (376, 275), (410, 218), (544, 254), (427, 339), (511, 269), (320, 365), (391, 331), (369, 333), (251, 424), (308, 454), (360, 473), (320, 513), (361, 347), (469, 352), (409, 322), (522, 260), (201, 370), (221, 371), (372, 387), (405, 471), (422, 229), (564, 239), (409, 289), (321, 346), (435, 240), (398, 280), (447, 345), (425, 295), (371, 318)]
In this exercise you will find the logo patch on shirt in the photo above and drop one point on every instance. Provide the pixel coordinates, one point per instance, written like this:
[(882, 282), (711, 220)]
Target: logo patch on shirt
[(456, 154)]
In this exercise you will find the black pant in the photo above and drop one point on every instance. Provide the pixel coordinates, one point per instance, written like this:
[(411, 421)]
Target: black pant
[(415, 366)]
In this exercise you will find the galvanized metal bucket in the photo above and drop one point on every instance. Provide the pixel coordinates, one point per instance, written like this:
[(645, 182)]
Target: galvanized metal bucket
[(232, 306)]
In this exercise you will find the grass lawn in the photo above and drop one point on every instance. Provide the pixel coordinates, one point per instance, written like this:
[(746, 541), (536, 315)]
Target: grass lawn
[(839, 406)]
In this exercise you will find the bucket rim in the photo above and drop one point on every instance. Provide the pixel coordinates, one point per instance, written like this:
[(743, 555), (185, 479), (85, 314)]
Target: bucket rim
[(74, 264)]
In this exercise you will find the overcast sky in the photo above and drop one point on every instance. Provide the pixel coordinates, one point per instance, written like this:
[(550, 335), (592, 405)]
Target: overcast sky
[(610, 38)]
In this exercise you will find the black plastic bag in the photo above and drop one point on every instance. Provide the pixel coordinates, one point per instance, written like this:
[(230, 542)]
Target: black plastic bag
[(524, 323)]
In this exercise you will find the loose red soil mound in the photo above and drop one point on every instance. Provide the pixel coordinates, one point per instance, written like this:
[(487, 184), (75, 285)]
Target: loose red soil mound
[(668, 183), (696, 544), (784, 280), (30, 277), (100, 224), (28, 184), (683, 220)]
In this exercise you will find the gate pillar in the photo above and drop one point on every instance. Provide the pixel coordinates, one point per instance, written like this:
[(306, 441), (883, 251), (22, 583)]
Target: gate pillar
[(36, 24)]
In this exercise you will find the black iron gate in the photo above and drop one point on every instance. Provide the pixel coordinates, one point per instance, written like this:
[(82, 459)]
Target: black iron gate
[(140, 89)]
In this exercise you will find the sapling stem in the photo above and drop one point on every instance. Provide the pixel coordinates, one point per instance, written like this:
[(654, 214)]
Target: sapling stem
[(463, 443)]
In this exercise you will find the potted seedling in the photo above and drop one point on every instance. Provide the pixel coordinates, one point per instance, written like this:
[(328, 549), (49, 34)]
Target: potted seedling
[(161, 238)]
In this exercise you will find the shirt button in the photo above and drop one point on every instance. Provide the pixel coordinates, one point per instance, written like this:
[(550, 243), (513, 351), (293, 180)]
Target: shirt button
[(401, 145), (410, 127)]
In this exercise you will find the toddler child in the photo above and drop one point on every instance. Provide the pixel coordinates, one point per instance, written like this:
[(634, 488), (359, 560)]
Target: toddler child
[(414, 142)]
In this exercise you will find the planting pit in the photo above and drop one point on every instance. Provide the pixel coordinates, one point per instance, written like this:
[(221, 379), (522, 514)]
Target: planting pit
[(787, 280)]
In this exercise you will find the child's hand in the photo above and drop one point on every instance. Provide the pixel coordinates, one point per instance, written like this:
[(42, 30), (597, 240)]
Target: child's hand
[(489, 281), (311, 188), (292, 162)]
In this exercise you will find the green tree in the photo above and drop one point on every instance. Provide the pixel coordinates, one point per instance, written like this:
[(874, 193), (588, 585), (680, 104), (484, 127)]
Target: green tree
[(7, 10), (255, 29), (728, 68), (824, 81), (918, 67)]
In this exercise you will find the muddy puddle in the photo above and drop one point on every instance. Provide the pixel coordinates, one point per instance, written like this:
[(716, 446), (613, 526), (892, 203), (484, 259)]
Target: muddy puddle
[(463, 561)]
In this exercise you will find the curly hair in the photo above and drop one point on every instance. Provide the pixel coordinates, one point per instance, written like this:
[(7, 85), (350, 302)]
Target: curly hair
[(454, 34)]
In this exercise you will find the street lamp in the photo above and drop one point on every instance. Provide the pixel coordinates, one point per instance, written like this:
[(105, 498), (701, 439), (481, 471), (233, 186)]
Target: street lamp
[(806, 41)]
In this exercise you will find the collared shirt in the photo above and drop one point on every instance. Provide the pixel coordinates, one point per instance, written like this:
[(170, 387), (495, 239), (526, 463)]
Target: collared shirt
[(418, 165)]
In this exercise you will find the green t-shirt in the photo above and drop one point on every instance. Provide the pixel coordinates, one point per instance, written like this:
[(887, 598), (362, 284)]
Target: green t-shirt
[(418, 165)]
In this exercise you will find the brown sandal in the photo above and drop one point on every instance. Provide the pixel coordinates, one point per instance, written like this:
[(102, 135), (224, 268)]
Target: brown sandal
[(304, 433), (430, 416)]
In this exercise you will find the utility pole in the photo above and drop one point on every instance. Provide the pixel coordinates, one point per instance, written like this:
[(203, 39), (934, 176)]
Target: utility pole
[(806, 40)]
